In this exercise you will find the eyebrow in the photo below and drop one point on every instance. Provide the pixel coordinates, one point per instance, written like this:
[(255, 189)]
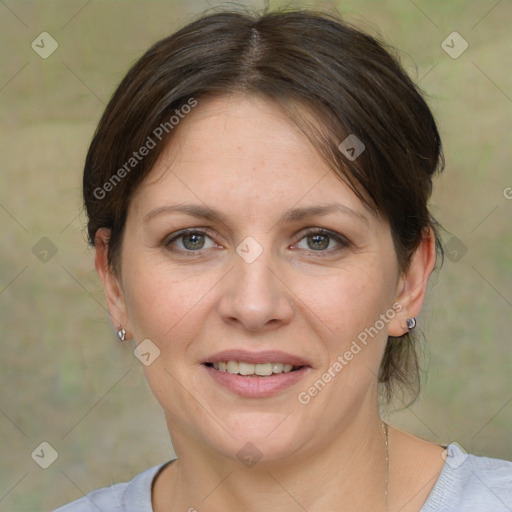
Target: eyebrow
[(290, 216)]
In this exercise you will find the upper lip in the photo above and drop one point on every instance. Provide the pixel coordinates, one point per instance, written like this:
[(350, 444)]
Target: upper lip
[(267, 356)]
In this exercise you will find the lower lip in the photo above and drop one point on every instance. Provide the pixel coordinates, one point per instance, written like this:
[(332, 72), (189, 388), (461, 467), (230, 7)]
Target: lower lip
[(256, 387)]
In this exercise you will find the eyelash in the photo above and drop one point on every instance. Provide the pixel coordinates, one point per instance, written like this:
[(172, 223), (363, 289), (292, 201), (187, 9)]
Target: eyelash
[(344, 243)]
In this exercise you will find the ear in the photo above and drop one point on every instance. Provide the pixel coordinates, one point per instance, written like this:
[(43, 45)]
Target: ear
[(412, 285), (111, 283)]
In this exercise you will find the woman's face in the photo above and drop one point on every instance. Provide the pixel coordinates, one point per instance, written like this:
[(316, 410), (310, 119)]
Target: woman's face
[(255, 282)]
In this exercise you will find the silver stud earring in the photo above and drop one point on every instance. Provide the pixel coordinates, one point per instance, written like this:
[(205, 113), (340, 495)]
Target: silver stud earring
[(121, 334), (411, 323)]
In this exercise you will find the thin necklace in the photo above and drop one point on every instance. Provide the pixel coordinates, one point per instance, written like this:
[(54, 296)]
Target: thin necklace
[(385, 430)]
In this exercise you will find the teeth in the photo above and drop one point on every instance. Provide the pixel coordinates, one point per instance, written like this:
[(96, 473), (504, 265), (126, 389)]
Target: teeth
[(261, 369), (277, 367), (246, 368), (232, 367)]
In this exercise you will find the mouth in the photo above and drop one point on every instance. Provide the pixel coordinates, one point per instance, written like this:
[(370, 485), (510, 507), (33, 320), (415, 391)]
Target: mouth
[(256, 375)]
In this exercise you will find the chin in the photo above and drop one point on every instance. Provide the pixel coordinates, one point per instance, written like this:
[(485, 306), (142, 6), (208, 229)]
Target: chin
[(258, 436)]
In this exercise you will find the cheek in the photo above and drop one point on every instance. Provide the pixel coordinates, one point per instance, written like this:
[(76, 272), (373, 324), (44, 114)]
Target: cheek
[(349, 299), (162, 302), (349, 306)]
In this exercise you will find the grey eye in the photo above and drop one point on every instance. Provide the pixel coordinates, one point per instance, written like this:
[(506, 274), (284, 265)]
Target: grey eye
[(190, 241)]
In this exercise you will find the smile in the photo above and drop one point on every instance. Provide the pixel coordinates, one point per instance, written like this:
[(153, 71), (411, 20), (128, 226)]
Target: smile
[(255, 374)]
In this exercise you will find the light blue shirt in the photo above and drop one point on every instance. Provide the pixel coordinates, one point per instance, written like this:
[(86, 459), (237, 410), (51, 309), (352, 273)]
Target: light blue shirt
[(467, 483)]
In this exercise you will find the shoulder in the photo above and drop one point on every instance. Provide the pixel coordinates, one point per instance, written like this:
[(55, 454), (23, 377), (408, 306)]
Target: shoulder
[(469, 483), (118, 497)]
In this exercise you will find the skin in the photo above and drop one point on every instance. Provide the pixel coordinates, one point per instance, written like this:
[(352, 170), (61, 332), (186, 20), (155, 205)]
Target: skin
[(241, 155)]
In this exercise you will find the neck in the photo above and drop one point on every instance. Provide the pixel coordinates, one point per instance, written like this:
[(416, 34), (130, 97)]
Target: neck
[(349, 472)]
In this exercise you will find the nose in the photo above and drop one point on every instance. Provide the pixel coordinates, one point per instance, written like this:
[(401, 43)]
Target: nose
[(255, 296)]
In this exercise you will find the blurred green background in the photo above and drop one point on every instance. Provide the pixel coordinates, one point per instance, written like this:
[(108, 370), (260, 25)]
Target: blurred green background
[(64, 377)]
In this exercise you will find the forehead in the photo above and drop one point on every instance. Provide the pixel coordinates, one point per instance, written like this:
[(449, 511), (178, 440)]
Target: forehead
[(242, 154)]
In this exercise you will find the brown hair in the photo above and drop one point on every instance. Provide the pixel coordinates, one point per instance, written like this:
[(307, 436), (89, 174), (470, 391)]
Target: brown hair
[(307, 63)]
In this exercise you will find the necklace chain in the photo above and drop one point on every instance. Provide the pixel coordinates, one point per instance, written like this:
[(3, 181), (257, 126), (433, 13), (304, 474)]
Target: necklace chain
[(386, 439)]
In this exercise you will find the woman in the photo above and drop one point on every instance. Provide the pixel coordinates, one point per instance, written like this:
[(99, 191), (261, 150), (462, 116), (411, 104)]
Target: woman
[(257, 196)]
